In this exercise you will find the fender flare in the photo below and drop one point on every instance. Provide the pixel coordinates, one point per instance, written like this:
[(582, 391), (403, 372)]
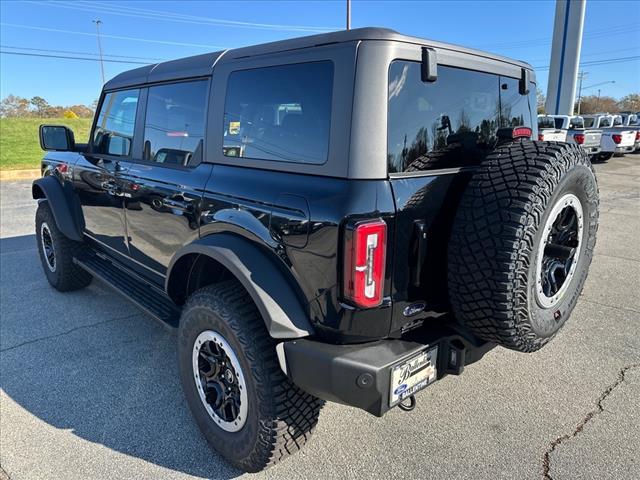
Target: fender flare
[(64, 205), (283, 313)]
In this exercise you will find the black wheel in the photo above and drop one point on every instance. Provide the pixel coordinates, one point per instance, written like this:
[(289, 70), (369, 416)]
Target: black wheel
[(522, 243), (603, 157), (243, 403), (56, 253)]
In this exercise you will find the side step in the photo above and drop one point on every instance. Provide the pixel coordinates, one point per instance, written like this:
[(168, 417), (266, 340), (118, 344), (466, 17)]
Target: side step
[(145, 295)]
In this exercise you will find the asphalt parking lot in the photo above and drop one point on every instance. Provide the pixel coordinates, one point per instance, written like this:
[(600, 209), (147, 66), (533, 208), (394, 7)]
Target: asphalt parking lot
[(89, 385)]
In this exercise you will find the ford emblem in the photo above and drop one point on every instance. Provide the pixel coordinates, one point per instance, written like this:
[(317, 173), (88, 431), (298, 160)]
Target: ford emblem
[(400, 389), (413, 309)]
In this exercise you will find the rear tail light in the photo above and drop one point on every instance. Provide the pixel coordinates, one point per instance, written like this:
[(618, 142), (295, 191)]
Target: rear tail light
[(616, 138), (540, 137), (579, 138), (638, 136), (365, 255)]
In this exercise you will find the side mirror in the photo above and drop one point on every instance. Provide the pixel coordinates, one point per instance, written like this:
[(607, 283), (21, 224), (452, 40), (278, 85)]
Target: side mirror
[(57, 138)]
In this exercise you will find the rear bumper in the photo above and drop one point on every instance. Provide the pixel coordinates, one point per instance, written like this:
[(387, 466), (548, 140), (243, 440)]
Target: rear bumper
[(592, 150), (627, 149), (360, 375)]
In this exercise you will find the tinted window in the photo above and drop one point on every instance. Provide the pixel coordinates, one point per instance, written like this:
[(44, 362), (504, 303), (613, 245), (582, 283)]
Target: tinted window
[(113, 134), (174, 124), (558, 122), (451, 122), (589, 122), (546, 122), (576, 122), (617, 121), (605, 122), (279, 113)]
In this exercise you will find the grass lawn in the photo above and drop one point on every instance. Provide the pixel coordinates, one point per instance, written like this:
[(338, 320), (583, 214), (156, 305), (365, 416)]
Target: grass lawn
[(19, 144)]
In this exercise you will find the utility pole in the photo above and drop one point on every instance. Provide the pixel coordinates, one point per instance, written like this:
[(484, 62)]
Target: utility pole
[(581, 76), (98, 22), (348, 14), (598, 101)]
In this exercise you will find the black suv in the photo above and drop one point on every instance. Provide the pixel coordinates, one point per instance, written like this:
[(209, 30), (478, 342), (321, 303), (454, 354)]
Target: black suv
[(345, 217)]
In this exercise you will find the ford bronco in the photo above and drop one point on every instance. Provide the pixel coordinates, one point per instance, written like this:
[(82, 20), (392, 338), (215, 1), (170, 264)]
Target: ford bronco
[(346, 217)]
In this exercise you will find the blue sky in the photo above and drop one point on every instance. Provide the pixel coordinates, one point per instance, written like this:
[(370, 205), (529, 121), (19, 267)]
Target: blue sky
[(151, 30)]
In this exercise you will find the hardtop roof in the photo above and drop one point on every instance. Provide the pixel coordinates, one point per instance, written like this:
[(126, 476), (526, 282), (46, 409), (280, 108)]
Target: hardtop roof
[(202, 65)]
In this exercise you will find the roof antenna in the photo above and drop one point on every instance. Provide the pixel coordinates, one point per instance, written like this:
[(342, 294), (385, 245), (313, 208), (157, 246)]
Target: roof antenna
[(348, 14)]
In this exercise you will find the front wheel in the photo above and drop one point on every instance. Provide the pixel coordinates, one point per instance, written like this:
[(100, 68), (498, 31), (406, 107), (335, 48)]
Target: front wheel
[(245, 406)]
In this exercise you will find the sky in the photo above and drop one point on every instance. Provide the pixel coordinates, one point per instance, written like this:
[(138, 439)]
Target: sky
[(150, 31)]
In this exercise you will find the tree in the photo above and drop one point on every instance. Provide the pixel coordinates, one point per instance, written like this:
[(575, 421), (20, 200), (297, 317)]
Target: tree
[(596, 104), (630, 103), (13, 106), (541, 100), (41, 106)]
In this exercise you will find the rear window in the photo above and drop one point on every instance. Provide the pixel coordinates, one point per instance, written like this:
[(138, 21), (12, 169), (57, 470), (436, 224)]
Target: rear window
[(577, 123), (558, 122), (451, 122), (546, 122), (280, 113), (589, 122)]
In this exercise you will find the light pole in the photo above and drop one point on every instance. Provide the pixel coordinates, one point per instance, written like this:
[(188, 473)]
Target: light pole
[(98, 22), (596, 85), (581, 75)]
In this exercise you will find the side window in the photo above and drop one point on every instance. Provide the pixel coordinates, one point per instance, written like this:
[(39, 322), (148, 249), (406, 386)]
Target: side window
[(280, 113), (113, 134), (451, 122), (175, 122)]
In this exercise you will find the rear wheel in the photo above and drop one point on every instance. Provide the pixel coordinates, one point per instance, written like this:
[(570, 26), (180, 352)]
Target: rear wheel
[(57, 252), (522, 243), (247, 409), (603, 157)]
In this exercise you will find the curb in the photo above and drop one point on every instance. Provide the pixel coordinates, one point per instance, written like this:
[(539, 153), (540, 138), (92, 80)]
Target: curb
[(8, 175)]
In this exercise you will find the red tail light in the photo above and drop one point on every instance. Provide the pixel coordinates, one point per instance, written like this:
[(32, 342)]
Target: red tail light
[(616, 138), (365, 256), (522, 132), (638, 136), (540, 137), (579, 138)]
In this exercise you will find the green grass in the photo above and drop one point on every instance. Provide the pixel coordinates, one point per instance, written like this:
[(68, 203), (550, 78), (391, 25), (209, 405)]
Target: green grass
[(19, 144)]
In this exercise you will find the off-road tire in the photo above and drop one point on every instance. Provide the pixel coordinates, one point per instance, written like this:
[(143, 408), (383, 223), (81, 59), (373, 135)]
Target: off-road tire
[(495, 241), (281, 417), (66, 276)]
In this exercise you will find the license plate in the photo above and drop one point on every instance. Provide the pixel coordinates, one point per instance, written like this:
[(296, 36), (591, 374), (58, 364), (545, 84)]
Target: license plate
[(413, 375)]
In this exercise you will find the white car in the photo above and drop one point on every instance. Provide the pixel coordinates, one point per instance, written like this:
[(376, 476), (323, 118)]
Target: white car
[(548, 131), (588, 139), (615, 140)]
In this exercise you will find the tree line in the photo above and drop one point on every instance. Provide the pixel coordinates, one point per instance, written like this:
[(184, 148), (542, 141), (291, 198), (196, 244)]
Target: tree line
[(596, 104), (13, 106)]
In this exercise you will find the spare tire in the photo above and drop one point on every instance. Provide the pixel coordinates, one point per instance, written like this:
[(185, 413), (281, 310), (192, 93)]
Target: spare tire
[(522, 242)]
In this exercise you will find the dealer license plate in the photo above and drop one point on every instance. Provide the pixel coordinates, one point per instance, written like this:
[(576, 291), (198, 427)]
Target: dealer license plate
[(413, 375)]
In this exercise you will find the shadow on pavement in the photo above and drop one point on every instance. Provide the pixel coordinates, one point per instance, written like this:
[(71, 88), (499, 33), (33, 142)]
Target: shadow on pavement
[(109, 376)]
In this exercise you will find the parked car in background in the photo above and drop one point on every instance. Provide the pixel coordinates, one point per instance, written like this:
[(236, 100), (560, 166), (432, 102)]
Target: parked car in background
[(573, 125), (548, 131), (632, 120), (615, 140)]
